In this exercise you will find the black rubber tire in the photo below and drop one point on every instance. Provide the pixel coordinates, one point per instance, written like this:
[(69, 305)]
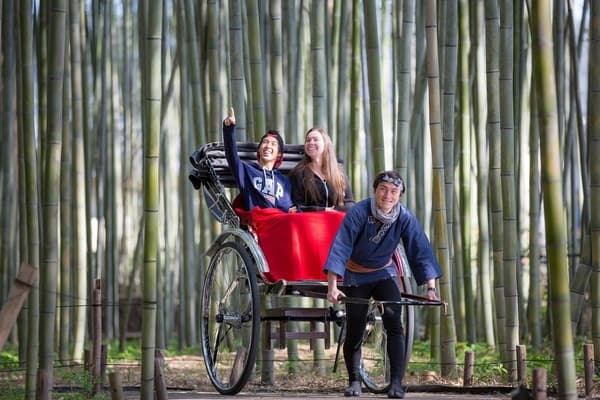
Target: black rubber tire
[(230, 312)]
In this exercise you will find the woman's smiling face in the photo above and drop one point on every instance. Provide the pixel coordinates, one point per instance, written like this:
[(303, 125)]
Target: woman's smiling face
[(314, 144)]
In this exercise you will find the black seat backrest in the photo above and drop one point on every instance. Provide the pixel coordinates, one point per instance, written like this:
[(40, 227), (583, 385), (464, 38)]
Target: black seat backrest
[(213, 154)]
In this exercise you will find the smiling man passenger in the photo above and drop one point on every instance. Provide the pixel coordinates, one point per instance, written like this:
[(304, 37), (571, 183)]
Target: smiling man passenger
[(261, 184)]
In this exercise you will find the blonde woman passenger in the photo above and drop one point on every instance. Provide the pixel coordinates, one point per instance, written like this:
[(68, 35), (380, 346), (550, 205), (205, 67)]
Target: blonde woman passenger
[(318, 180)]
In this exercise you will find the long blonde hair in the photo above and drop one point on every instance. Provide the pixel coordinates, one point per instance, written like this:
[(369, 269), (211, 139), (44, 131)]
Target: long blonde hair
[(333, 171)]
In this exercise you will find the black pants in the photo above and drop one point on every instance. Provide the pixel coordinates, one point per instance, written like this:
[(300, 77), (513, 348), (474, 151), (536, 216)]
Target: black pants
[(356, 320)]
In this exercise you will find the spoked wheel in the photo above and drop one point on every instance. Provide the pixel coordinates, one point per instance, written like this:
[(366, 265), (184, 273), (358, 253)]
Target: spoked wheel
[(375, 366), (230, 318)]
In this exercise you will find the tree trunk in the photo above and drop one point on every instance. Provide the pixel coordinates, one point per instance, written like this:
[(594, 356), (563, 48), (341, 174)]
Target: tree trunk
[(553, 201), (375, 111), (66, 268), (440, 241), (534, 308), (594, 166), (31, 195), (256, 69), (78, 182), (51, 195), (509, 206), (403, 78), (485, 312), (320, 119), (465, 170), (152, 103), (276, 67), (492, 39)]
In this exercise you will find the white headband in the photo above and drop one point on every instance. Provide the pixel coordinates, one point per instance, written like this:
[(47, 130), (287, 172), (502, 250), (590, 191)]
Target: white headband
[(391, 179)]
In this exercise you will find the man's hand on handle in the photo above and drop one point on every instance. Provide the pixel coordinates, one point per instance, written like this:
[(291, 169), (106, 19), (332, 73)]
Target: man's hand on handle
[(334, 295), (432, 293)]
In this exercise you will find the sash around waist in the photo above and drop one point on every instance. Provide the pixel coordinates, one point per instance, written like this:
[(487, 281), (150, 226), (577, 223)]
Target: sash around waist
[(355, 267)]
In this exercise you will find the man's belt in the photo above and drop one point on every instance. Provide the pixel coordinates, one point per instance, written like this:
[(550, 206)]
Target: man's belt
[(355, 267)]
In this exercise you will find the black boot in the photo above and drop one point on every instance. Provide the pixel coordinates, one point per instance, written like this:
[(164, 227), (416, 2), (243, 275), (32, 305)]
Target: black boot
[(353, 390), (396, 391)]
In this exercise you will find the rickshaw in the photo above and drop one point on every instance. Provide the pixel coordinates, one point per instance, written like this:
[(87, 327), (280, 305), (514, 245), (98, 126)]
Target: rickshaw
[(239, 272)]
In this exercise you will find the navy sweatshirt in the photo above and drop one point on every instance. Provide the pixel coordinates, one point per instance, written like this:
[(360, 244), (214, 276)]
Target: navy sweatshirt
[(258, 186)]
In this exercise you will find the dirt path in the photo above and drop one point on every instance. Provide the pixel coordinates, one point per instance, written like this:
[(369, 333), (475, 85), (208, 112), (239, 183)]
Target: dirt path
[(193, 395), (188, 374)]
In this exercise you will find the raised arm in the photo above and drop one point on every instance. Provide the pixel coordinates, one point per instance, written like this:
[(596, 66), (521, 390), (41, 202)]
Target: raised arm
[(231, 150)]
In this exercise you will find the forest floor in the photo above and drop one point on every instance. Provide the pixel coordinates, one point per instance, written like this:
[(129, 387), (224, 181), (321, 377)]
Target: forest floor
[(187, 373), (185, 377)]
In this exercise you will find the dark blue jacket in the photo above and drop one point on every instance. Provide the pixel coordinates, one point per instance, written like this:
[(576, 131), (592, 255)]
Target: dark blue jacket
[(357, 239), (258, 186)]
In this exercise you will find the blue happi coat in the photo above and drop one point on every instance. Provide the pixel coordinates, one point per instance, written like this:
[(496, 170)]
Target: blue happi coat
[(361, 240)]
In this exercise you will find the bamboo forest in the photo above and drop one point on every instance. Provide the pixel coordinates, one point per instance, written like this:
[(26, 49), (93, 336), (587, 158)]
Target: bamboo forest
[(489, 110)]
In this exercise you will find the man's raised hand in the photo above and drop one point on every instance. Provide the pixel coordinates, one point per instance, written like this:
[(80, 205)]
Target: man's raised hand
[(230, 120)]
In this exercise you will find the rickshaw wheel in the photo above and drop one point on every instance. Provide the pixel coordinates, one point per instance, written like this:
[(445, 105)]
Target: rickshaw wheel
[(375, 366), (230, 318)]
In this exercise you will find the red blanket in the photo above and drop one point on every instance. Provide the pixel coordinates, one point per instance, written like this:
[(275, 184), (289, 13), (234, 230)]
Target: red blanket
[(295, 245)]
